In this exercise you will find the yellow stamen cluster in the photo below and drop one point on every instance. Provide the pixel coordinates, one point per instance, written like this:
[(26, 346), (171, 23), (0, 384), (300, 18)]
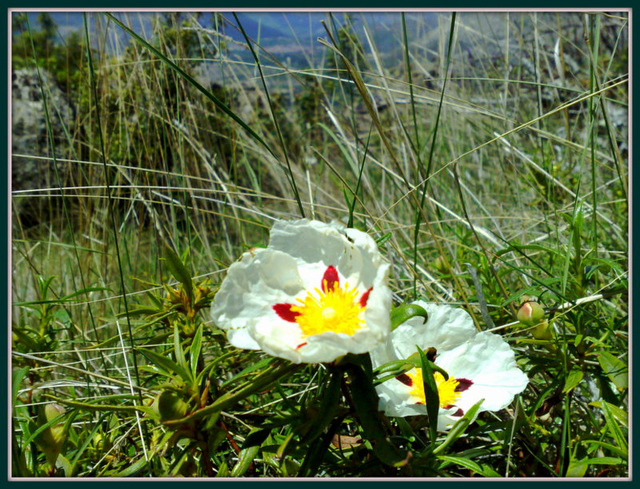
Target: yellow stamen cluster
[(446, 388), (335, 310)]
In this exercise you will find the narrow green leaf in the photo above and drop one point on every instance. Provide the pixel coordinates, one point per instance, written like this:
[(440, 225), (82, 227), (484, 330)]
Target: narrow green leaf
[(16, 380), (251, 368), (86, 443), (133, 469), (482, 470), (619, 414), (365, 401), (608, 446), (317, 450), (85, 406), (245, 459), (383, 239), (256, 438), (167, 366), (177, 348), (573, 379), (577, 468), (328, 407), (615, 369), (613, 427), (402, 314), (605, 461), (432, 397), (179, 271), (194, 350), (459, 427)]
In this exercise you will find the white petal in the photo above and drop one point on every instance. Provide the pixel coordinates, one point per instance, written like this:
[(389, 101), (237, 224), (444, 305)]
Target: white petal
[(395, 400), (445, 328), (252, 286), (489, 362), (483, 358), (292, 266)]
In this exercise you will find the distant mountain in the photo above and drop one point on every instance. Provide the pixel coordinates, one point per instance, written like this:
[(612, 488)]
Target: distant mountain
[(299, 27)]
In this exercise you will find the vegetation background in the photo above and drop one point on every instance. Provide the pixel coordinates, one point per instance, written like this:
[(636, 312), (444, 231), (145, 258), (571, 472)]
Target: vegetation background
[(486, 152)]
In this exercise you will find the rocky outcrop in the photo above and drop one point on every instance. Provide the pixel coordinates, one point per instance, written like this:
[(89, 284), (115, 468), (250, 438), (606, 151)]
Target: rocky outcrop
[(31, 163)]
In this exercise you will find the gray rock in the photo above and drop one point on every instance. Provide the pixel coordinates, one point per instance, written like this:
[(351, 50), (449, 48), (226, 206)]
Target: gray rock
[(31, 160)]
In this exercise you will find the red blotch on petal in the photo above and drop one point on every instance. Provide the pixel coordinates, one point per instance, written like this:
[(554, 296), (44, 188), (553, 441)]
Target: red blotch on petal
[(330, 280), (405, 379), (365, 297), (463, 385), (301, 345), (459, 413), (285, 312)]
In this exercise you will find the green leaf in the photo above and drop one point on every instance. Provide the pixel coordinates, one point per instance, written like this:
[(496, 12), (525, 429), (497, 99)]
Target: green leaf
[(245, 459), (194, 350), (179, 271), (459, 427), (383, 239), (251, 368), (532, 247), (613, 427), (86, 443), (167, 366), (482, 470), (256, 438), (328, 407), (365, 401), (16, 380), (177, 347), (405, 312), (317, 450), (615, 369), (432, 397), (607, 446), (85, 406), (573, 379), (578, 468), (24, 337), (619, 414), (133, 469)]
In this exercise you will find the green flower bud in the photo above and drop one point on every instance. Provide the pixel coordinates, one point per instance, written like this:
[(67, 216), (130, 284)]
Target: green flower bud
[(542, 331), (171, 405), (52, 439), (530, 313)]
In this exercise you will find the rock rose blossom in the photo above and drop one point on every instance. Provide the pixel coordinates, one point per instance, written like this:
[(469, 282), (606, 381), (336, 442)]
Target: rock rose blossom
[(480, 366), (317, 292)]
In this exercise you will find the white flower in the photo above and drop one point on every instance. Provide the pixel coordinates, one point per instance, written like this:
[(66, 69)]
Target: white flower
[(317, 292), (480, 366)]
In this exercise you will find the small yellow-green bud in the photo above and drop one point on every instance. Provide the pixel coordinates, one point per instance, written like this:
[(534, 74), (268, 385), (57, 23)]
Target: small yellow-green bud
[(51, 440), (171, 405), (530, 313), (53, 410), (542, 331)]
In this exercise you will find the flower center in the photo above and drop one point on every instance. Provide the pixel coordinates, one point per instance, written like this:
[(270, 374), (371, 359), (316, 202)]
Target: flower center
[(331, 309), (446, 388)]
